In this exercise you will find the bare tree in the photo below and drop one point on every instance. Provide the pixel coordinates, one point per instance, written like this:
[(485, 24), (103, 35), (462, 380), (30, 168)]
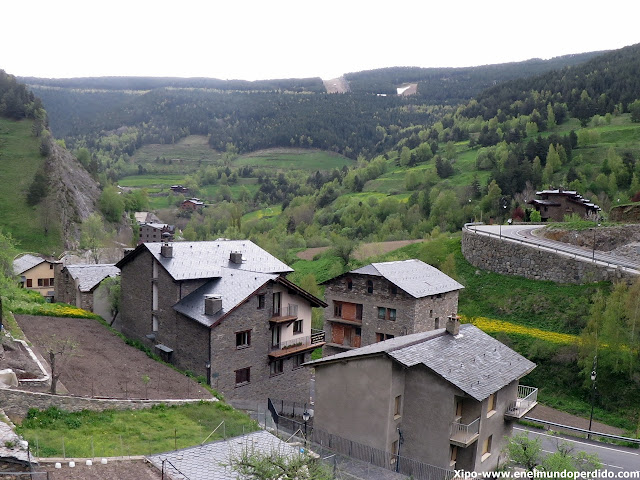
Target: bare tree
[(59, 350)]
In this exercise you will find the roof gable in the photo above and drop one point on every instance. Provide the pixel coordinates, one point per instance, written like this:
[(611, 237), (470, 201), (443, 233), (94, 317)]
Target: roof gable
[(473, 361), (415, 277), (89, 276), (27, 262)]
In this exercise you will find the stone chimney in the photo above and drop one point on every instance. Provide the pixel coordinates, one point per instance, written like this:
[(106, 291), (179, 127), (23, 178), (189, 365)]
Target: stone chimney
[(166, 250), (212, 304), (453, 324), (235, 257)]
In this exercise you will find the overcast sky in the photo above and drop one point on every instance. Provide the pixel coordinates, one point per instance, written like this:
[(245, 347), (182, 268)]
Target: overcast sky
[(265, 39)]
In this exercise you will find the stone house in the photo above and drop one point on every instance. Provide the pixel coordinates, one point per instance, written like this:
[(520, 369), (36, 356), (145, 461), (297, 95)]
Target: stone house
[(555, 204), (224, 310), (192, 204), (36, 273), (153, 232), (82, 286), (446, 397), (385, 300)]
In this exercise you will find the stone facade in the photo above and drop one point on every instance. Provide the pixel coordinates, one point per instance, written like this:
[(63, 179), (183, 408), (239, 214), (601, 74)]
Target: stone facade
[(353, 309), (149, 294), (16, 403), (66, 290), (511, 258)]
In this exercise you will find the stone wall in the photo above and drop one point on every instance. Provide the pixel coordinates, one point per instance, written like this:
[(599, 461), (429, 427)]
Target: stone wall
[(16, 403), (511, 258)]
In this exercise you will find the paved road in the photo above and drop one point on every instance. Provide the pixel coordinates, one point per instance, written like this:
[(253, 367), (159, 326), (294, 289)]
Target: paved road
[(525, 234), (613, 458)]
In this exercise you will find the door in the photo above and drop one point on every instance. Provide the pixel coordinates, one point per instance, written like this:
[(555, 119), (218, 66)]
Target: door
[(275, 336), (276, 304)]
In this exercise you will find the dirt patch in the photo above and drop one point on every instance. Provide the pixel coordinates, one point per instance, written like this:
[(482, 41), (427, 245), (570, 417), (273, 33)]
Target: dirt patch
[(337, 85), (114, 470), (103, 365), (363, 252)]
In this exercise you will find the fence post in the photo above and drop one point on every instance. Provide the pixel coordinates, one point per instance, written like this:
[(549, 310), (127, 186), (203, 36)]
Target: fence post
[(64, 453)]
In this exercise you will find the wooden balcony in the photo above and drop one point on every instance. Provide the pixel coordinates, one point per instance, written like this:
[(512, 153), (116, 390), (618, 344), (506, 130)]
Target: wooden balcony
[(464, 435), (347, 321), (298, 344), (527, 399), (285, 315)]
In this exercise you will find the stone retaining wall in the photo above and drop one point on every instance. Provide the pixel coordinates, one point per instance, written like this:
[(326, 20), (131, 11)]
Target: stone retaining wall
[(16, 403), (511, 258)]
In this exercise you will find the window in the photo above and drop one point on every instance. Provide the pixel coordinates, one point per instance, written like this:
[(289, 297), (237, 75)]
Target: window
[(298, 360), (436, 324), (29, 282), (276, 304), (349, 284), (45, 282), (51, 266), (276, 367), (397, 406), (381, 337), (431, 313), (337, 309), (491, 405), (394, 451), (243, 339), (243, 376), (369, 286), (387, 313), (154, 323), (260, 302), (51, 281), (297, 326), (486, 448), (454, 456), (393, 290), (358, 311)]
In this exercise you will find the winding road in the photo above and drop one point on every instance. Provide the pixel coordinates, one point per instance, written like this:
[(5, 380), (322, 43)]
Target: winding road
[(525, 234)]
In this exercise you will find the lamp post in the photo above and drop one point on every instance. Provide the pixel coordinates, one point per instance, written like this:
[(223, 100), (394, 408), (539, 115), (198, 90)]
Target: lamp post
[(593, 392), (305, 417)]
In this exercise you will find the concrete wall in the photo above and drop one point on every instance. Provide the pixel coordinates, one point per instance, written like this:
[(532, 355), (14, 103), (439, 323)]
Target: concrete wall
[(354, 400), (511, 258), (16, 403)]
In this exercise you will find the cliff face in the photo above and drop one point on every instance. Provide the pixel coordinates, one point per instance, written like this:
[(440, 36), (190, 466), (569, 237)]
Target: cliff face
[(74, 192), (625, 213)]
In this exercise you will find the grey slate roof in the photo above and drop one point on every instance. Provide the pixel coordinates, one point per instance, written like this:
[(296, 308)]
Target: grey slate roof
[(89, 276), (473, 361), (26, 262), (207, 462), (196, 260), (414, 276), (234, 286)]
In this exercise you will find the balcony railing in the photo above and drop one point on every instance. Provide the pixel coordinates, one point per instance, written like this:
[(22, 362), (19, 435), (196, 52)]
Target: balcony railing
[(292, 310), (464, 435), (298, 344), (286, 314), (527, 399)]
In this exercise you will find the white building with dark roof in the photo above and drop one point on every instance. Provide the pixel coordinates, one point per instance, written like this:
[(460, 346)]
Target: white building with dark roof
[(385, 300), (445, 397), (225, 310)]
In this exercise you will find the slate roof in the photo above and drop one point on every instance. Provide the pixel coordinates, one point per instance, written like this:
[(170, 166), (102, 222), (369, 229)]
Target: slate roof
[(89, 276), (473, 361), (234, 286), (414, 276), (208, 462), (27, 262), (198, 260)]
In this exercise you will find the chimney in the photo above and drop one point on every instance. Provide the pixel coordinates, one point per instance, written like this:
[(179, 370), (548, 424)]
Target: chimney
[(453, 324), (235, 257), (212, 304), (166, 250)]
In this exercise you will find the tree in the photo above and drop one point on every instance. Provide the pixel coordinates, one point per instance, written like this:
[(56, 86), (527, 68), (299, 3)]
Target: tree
[(7, 254), (59, 350), (112, 287), (111, 204), (93, 235), (255, 465), (634, 108)]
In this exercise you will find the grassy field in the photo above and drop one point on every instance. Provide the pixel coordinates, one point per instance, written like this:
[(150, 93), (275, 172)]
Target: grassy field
[(190, 151), (294, 159), (19, 160), (117, 433)]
